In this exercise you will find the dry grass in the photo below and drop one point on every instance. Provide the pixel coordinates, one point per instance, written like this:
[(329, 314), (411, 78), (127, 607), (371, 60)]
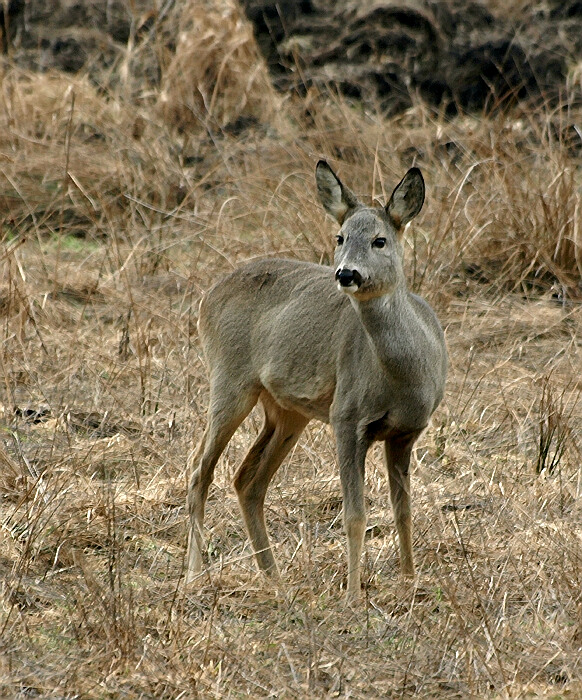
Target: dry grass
[(217, 78), (113, 225)]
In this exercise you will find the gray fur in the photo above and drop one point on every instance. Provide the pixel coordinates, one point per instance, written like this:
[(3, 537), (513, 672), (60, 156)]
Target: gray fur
[(362, 353)]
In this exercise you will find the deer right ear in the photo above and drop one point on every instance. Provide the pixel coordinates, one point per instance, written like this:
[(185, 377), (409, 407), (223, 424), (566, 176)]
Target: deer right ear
[(336, 198)]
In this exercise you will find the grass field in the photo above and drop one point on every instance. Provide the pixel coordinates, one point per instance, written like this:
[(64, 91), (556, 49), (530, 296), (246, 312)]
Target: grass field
[(118, 210)]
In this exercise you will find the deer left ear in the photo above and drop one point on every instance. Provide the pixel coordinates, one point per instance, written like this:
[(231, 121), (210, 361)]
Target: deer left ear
[(407, 199)]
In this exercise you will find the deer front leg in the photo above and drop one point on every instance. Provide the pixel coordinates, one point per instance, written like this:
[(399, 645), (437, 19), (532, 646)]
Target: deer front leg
[(397, 451), (352, 458)]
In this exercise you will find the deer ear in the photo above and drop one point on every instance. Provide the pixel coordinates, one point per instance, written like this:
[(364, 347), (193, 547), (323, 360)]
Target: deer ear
[(407, 199), (336, 198)]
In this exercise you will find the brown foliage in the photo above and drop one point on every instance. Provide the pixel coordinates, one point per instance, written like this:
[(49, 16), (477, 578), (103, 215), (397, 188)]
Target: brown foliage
[(216, 77)]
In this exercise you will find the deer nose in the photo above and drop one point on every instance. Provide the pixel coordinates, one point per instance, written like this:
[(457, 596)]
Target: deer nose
[(348, 277)]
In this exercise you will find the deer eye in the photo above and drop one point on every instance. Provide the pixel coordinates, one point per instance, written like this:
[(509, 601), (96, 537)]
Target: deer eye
[(339, 240), (378, 242)]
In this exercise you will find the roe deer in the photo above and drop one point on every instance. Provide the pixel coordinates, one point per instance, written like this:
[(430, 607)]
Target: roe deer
[(353, 348)]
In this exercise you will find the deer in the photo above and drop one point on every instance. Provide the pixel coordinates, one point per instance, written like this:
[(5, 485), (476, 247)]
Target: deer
[(350, 346)]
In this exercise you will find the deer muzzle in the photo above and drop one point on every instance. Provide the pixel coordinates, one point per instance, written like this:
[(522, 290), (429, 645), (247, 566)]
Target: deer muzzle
[(348, 278)]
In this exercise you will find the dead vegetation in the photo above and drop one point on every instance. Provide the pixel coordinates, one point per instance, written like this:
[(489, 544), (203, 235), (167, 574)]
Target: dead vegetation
[(217, 78), (113, 223)]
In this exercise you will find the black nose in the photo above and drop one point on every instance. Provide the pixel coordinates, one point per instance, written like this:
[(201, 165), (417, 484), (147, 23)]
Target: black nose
[(348, 277)]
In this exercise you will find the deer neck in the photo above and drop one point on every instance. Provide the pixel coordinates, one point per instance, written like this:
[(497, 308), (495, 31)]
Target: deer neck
[(391, 325)]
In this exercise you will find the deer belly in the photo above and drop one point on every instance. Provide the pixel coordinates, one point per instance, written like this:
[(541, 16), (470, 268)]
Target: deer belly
[(311, 399)]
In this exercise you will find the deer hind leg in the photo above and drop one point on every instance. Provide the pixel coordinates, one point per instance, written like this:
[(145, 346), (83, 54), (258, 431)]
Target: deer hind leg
[(280, 432), (397, 453), (226, 412)]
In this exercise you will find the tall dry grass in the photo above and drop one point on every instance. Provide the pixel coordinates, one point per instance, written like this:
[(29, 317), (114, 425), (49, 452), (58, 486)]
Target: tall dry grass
[(217, 78), (115, 218)]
